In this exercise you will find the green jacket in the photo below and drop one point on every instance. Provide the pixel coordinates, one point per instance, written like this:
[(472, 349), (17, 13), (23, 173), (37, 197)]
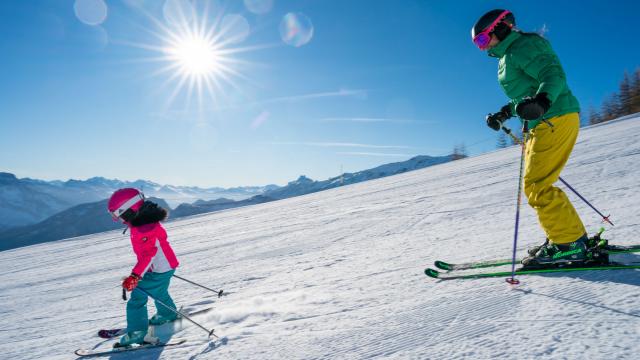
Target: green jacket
[(529, 66)]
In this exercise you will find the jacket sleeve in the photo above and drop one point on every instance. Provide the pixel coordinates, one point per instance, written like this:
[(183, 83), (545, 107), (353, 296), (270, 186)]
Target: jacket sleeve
[(162, 234), (149, 251), (538, 60)]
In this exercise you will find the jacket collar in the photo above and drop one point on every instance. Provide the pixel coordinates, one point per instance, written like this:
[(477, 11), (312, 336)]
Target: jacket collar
[(501, 49)]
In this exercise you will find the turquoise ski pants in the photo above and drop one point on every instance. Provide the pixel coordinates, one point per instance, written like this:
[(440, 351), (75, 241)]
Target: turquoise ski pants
[(157, 285)]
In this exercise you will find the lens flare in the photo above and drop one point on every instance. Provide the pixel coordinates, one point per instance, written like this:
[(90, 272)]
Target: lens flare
[(258, 6), (178, 12), (90, 12), (296, 29), (235, 27)]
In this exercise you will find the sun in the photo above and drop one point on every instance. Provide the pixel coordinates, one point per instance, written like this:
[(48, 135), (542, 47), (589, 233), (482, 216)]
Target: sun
[(196, 56), (199, 56)]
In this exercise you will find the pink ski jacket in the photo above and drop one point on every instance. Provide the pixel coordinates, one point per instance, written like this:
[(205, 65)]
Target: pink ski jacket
[(152, 249)]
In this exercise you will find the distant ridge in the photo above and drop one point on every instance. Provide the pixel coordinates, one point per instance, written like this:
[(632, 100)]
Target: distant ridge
[(89, 218)]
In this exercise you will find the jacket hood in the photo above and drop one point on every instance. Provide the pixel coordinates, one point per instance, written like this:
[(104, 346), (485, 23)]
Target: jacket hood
[(149, 213)]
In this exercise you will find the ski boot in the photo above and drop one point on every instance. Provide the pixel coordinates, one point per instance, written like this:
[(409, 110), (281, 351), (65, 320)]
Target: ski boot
[(598, 248), (158, 319), (136, 338), (559, 254), (535, 249)]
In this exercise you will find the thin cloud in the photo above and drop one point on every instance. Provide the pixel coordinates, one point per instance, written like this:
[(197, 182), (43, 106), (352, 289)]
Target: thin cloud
[(355, 153), (341, 144), (342, 93), (358, 93), (373, 120)]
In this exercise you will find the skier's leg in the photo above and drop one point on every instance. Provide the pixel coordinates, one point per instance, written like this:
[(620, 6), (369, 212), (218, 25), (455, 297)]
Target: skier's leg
[(137, 322), (160, 292), (163, 295), (547, 152), (137, 310)]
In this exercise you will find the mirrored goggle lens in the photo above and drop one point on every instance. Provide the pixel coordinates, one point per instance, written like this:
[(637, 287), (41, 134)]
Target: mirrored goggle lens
[(482, 40)]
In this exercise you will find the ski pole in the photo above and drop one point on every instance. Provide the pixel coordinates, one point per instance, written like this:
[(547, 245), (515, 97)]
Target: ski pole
[(512, 280), (219, 292), (604, 218), (210, 332)]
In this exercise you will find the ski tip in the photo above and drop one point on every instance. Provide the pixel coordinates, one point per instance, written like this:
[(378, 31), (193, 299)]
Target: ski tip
[(442, 265), (431, 273)]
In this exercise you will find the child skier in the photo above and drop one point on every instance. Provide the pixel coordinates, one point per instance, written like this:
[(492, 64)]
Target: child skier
[(530, 74), (156, 262)]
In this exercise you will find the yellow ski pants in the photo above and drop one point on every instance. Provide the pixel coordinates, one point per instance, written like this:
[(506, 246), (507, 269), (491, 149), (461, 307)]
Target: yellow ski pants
[(546, 153)]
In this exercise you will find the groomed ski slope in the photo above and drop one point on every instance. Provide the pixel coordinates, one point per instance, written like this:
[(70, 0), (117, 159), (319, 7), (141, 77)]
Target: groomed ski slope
[(339, 274)]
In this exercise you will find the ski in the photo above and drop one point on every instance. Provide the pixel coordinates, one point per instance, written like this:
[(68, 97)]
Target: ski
[(111, 333), (619, 249), (524, 271), (472, 265), (610, 249), (86, 353)]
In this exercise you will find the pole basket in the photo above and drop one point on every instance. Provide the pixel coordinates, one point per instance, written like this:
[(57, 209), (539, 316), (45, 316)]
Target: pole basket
[(512, 281)]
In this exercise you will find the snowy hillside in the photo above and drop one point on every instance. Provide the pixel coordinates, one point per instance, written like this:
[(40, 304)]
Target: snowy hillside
[(339, 274)]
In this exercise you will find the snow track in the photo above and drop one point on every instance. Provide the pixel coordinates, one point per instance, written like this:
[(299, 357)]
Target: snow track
[(338, 274)]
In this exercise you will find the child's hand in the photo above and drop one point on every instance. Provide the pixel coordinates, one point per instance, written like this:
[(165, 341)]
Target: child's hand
[(131, 282)]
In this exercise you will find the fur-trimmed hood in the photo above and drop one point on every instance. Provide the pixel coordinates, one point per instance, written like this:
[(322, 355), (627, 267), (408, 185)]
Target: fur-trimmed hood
[(149, 213)]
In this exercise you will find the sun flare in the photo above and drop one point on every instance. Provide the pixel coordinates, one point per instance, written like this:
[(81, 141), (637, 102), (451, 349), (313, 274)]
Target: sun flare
[(199, 52), (196, 56)]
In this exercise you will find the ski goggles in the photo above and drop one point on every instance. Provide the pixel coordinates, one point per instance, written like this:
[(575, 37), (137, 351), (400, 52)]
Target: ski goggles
[(483, 39), (126, 206)]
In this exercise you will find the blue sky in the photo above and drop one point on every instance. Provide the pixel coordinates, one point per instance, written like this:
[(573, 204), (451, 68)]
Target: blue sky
[(378, 81)]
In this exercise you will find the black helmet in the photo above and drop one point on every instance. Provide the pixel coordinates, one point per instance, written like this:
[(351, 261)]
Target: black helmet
[(501, 29)]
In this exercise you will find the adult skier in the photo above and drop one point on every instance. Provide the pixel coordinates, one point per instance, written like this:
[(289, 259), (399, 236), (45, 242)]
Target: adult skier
[(156, 262), (530, 74)]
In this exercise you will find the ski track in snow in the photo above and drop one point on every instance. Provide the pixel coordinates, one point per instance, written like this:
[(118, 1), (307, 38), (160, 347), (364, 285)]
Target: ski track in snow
[(339, 274)]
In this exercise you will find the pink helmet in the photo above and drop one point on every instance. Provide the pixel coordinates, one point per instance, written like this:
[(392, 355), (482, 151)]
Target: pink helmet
[(123, 200)]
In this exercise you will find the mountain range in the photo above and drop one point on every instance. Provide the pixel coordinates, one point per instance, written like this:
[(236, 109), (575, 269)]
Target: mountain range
[(304, 185), (28, 201), (79, 220), (25, 196)]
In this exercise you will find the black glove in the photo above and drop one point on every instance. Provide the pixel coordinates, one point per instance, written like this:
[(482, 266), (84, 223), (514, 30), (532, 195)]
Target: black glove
[(495, 120), (532, 108)]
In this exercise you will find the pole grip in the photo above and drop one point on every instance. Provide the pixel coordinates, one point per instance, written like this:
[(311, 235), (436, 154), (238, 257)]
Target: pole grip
[(219, 292)]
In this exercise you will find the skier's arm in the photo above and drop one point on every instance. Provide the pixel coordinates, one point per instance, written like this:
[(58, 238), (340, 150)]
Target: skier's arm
[(542, 64), (149, 251)]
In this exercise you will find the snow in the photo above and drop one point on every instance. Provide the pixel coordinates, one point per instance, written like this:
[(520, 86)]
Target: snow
[(338, 274)]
